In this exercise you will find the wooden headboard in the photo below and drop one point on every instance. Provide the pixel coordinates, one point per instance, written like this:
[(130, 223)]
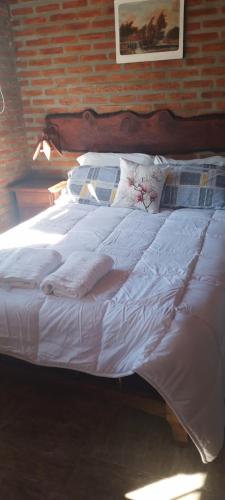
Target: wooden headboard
[(159, 132)]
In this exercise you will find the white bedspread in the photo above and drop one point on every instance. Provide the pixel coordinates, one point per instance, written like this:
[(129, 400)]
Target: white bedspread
[(160, 312)]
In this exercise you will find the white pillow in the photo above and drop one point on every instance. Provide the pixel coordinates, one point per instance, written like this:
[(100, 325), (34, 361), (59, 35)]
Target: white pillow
[(211, 160), (140, 186), (112, 159)]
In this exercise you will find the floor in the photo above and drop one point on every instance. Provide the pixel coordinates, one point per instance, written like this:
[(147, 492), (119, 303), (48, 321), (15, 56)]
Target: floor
[(60, 443)]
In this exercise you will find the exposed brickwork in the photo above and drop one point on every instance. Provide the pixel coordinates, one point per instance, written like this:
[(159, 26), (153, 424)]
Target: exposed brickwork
[(13, 163), (66, 62)]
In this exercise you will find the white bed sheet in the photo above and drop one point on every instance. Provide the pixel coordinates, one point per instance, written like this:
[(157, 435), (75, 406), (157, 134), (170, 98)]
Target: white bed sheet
[(160, 312)]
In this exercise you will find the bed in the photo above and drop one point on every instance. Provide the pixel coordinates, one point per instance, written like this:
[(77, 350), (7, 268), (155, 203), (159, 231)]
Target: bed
[(159, 312)]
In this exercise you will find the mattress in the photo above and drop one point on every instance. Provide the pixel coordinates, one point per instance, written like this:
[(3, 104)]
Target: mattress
[(159, 313)]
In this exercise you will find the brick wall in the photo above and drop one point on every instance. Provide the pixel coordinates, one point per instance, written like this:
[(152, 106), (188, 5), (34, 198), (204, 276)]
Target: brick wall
[(66, 62), (12, 134)]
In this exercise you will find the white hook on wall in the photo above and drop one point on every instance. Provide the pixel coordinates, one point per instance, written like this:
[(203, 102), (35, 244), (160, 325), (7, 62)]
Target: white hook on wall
[(3, 102)]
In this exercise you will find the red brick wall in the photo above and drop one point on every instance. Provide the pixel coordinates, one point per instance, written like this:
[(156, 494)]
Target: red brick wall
[(66, 62), (12, 134)]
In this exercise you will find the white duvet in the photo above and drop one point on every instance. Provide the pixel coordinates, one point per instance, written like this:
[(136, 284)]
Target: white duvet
[(160, 312)]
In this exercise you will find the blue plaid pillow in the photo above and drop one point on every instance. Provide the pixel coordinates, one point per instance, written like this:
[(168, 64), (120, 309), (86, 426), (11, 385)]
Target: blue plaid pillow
[(93, 185), (194, 186)]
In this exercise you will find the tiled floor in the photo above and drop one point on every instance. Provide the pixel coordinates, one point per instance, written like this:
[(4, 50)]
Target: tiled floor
[(58, 443)]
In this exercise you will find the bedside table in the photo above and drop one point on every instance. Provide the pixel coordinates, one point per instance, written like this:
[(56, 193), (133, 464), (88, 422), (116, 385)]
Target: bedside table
[(34, 193)]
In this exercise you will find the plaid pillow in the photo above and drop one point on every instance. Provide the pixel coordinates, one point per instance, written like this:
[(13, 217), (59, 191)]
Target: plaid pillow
[(93, 185), (194, 186)]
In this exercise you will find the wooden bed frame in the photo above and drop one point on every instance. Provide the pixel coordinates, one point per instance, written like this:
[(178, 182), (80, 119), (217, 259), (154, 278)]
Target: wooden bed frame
[(160, 132)]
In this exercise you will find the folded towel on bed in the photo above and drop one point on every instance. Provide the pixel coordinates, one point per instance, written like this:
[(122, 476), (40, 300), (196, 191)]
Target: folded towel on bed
[(27, 267), (77, 276)]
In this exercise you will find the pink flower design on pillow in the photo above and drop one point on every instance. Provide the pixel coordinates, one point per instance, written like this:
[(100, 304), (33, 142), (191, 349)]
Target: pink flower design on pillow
[(145, 194)]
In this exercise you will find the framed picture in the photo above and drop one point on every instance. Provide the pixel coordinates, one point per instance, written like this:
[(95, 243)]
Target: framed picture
[(149, 30)]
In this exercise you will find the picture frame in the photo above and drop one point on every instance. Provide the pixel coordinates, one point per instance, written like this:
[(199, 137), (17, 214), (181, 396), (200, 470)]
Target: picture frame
[(148, 30)]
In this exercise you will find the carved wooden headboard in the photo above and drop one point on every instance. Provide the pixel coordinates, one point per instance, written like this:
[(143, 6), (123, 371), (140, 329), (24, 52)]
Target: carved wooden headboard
[(126, 131)]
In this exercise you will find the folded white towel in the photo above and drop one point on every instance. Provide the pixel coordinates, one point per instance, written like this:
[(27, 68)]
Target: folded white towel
[(26, 267), (77, 275)]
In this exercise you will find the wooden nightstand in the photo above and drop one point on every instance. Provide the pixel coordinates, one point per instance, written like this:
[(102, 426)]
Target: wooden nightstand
[(34, 193)]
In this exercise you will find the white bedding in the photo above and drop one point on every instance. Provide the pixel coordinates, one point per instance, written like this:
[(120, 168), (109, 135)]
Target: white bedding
[(160, 312)]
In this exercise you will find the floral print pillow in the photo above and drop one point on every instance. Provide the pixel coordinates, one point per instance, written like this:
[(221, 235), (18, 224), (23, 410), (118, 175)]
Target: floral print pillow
[(140, 186)]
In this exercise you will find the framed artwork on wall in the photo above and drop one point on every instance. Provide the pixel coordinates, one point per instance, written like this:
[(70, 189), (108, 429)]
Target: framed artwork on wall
[(149, 30)]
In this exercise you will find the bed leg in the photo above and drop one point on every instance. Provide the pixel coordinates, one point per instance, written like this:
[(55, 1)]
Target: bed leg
[(179, 434)]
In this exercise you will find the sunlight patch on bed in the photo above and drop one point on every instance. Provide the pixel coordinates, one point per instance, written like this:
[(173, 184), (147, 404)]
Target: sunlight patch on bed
[(59, 214), (179, 487), (28, 237)]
